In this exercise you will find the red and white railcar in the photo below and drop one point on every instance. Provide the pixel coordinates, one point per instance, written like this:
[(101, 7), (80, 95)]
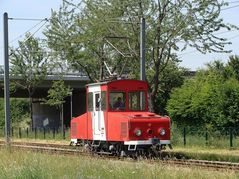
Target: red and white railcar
[(117, 119)]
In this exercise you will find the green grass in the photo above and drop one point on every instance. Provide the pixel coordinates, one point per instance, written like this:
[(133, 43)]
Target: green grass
[(25, 164)]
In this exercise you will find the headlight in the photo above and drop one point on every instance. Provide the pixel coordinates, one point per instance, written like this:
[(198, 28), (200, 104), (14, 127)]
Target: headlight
[(162, 132), (138, 132)]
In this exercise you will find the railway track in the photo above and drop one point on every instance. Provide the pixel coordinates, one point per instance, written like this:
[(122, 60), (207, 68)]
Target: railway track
[(46, 147), (67, 150)]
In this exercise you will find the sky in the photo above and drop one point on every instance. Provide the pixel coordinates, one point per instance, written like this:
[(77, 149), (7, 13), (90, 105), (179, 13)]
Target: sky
[(194, 60), (41, 9)]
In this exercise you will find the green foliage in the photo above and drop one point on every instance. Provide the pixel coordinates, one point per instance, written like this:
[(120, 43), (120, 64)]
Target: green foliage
[(19, 110), (29, 62), (233, 66), (171, 77), (210, 99), (2, 113), (57, 93), (29, 65), (81, 34)]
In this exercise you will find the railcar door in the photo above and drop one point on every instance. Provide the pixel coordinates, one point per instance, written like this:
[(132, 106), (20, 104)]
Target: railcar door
[(97, 112)]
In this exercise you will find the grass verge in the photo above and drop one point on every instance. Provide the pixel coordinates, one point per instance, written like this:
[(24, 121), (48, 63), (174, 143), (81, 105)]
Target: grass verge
[(213, 154), (26, 164)]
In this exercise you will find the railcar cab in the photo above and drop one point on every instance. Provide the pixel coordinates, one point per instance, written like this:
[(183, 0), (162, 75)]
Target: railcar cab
[(117, 96)]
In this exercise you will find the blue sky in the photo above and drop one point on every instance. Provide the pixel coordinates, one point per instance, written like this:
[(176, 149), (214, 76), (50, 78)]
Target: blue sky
[(24, 9), (194, 60), (42, 9)]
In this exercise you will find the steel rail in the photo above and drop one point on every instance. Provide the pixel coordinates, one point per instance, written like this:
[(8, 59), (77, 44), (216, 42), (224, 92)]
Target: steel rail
[(205, 164)]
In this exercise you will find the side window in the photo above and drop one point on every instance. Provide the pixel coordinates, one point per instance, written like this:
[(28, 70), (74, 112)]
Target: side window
[(103, 100), (90, 101)]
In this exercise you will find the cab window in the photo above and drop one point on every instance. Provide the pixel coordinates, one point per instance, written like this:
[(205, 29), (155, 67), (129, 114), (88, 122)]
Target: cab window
[(103, 100), (135, 103), (117, 101), (90, 101)]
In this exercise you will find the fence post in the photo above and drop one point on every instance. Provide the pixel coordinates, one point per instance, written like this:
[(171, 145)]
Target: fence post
[(231, 137), (54, 133), (206, 137), (20, 133), (64, 132), (35, 131), (44, 132), (184, 136), (27, 132)]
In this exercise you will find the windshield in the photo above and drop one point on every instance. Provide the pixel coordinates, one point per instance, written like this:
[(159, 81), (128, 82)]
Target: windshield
[(117, 101), (135, 102)]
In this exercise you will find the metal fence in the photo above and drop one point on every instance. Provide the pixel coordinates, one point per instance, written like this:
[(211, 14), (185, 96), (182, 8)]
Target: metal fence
[(227, 137), (221, 137), (37, 133)]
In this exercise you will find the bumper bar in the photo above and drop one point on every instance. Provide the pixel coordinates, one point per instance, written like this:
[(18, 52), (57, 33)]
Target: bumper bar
[(151, 141)]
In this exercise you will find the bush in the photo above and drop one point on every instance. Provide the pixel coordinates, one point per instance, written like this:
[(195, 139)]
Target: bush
[(208, 100)]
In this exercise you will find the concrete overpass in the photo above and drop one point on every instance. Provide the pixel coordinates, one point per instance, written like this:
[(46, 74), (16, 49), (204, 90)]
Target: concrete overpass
[(44, 115)]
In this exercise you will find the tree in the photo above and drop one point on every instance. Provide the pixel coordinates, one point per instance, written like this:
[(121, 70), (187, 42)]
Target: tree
[(56, 97), (233, 66), (29, 65), (171, 77), (19, 112), (89, 28)]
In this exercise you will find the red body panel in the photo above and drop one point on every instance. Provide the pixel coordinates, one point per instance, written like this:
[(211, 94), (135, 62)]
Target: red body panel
[(106, 124), (147, 122), (79, 127), (150, 127), (117, 126)]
